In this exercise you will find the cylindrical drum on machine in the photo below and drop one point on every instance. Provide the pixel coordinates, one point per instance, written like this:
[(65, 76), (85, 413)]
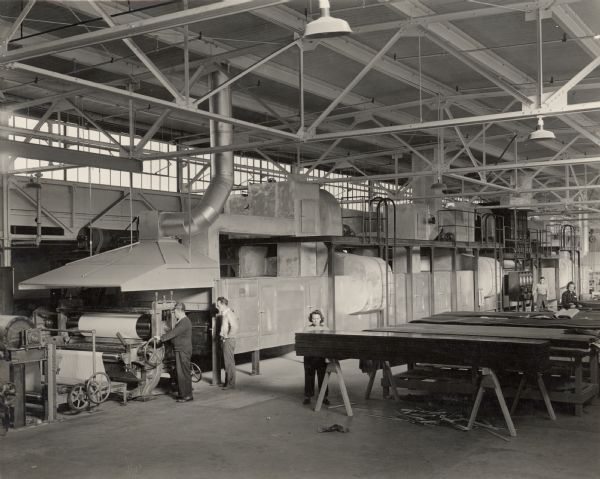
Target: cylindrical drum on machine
[(107, 325), (10, 330)]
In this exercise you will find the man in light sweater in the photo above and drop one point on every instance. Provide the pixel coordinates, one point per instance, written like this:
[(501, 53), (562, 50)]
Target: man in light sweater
[(229, 328), (541, 291)]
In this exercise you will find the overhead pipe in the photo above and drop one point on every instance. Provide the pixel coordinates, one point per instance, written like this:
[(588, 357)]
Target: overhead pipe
[(221, 168)]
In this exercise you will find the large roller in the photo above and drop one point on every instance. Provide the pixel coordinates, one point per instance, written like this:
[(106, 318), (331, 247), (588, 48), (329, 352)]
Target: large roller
[(10, 330), (107, 325)]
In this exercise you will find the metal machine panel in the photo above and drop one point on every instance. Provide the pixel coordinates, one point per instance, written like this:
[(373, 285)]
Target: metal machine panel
[(244, 300), (283, 311), (442, 291), (421, 294), (464, 291), (272, 310), (399, 300), (550, 275), (7, 290)]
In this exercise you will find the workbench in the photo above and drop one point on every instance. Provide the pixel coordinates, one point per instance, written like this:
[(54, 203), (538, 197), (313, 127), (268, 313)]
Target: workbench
[(483, 353), (571, 351)]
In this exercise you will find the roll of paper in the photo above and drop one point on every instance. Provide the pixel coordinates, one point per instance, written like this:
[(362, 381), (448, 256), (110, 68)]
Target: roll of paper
[(107, 325)]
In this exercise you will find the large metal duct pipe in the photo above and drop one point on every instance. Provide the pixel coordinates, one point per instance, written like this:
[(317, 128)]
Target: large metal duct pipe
[(221, 167)]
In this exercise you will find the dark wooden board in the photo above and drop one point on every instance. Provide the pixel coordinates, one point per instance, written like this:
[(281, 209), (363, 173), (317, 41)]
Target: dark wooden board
[(481, 351), (583, 320), (557, 337)]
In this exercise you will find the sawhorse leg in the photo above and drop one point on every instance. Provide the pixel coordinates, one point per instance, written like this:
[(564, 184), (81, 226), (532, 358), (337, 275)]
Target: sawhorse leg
[(334, 367), (490, 381), (543, 392), (387, 376)]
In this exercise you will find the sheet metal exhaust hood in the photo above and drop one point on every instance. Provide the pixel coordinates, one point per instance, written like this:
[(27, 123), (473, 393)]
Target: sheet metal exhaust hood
[(148, 265)]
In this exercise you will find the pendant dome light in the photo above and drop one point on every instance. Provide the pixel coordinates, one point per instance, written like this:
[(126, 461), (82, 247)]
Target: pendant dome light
[(326, 26), (540, 133)]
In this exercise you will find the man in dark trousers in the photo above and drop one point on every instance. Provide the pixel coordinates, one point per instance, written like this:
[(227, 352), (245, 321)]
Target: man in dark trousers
[(229, 328), (181, 339)]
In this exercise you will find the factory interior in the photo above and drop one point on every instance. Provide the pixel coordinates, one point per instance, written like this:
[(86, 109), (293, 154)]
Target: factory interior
[(299, 239)]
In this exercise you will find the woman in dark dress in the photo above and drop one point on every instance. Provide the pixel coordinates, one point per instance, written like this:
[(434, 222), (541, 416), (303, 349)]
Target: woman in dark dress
[(569, 297)]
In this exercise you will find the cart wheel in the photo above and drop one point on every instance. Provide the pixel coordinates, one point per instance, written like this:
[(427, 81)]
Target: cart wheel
[(77, 398), (196, 373), (98, 388)]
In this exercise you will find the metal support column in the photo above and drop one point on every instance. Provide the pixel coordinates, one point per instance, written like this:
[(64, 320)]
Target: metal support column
[(50, 373), (409, 285), (476, 305), (454, 282), (331, 281), (432, 281), (5, 259), (17, 377)]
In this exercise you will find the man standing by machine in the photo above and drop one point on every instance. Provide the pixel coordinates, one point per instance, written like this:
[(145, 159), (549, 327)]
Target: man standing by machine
[(541, 291), (181, 339), (229, 328)]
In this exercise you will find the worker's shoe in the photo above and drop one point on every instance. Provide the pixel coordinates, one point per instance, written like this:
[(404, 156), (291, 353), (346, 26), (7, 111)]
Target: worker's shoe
[(186, 399), (306, 401)]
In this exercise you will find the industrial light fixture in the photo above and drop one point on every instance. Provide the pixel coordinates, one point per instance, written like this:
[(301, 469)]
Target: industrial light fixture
[(540, 133), (326, 26), (438, 187)]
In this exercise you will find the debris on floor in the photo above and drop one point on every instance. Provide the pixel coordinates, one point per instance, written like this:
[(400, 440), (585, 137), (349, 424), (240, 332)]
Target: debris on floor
[(441, 417), (333, 428), (433, 418)]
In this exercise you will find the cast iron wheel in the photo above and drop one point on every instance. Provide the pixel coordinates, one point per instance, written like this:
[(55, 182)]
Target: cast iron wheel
[(196, 373), (98, 388), (77, 398)]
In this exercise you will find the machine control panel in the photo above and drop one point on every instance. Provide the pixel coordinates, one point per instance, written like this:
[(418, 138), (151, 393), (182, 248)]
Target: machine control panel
[(519, 285)]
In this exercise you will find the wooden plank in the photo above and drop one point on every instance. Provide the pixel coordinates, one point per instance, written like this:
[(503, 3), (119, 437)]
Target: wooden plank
[(512, 353), (583, 320), (557, 337)]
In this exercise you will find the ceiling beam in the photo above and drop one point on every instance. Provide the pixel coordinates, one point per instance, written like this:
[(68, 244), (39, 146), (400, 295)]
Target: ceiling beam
[(69, 157), (149, 100), (10, 31), (473, 120), (149, 64), (455, 171), (171, 20), (457, 16)]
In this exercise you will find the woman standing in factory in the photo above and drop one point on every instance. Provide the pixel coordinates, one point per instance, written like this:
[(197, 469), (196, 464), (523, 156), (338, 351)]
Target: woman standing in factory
[(312, 364)]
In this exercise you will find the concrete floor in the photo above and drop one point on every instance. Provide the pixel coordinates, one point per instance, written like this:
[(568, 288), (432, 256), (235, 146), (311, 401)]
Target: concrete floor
[(263, 431)]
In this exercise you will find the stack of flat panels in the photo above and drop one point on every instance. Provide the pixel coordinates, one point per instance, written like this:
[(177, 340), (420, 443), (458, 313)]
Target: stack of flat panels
[(559, 338), (593, 305), (407, 347), (583, 319)]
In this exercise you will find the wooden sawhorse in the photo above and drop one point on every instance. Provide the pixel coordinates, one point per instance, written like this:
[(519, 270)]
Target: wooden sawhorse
[(386, 370), (334, 367), (490, 381), (543, 392)]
